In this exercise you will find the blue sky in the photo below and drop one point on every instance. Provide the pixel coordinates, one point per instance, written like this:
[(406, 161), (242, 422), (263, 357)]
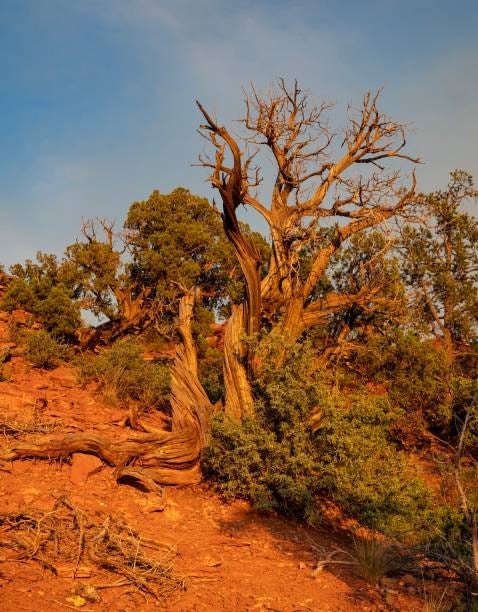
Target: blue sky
[(97, 96)]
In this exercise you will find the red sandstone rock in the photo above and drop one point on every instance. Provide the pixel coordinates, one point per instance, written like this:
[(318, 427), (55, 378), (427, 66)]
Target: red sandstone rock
[(83, 466)]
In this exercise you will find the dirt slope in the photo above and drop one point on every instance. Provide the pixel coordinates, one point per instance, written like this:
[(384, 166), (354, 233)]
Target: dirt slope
[(231, 557)]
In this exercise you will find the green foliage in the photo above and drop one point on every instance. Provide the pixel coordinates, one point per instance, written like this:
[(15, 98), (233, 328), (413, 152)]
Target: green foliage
[(365, 274), (277, 461), (46, 288), (269, 457), (362, 469), (123, 374), (43, 350), (177, 242), (440, 261), (98, 269), (411, 369), (211, 375), (452, 547)]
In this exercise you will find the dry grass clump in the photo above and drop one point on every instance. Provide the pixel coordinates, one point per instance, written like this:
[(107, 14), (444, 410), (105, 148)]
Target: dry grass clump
[(374, 559), (37, 425), (64, 537), (436, 602), (15, 428)]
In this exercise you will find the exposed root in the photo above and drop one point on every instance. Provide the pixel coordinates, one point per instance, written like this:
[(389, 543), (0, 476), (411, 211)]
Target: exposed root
[(65, 536), (168, 458), (156, 457)]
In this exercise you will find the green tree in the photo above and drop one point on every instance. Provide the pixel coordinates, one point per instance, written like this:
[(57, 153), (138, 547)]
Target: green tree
[(177, 243), (365, 278), (98, 269), (48, 289), (440, 267)]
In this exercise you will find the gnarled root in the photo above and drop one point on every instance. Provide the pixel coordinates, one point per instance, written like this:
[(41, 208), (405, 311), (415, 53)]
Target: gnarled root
[(162, 457)]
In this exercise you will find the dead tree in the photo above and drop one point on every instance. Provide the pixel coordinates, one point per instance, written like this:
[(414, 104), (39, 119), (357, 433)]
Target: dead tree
[(322, 195), (319, 200)]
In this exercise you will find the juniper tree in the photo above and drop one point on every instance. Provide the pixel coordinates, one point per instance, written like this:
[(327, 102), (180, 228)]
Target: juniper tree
[(322, 196)]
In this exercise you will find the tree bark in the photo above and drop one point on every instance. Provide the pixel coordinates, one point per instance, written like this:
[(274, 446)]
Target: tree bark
[(238, 400), (165, 457)]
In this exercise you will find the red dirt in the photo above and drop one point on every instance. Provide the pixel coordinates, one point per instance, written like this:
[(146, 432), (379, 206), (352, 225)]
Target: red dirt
[(232, 557)]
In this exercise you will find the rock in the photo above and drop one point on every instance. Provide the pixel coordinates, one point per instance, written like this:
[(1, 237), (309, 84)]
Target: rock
[(76, 600), (63, 377), (87, 592), (21, 317), (409, 580), (302, 565), (83, 466)]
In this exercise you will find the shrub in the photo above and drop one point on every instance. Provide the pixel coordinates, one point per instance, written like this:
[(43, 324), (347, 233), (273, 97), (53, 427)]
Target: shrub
[(211, 375), (363, 470), (123, 374), (269, 457), (412, 370), (274, 458), (43, 350), (46, 288), (452, 547)]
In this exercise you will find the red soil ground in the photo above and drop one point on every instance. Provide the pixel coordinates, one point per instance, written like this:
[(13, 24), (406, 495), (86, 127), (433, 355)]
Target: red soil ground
[(232, 558)]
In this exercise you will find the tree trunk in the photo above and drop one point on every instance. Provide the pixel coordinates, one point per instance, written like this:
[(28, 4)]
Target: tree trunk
[(238, 392), (162, 457)]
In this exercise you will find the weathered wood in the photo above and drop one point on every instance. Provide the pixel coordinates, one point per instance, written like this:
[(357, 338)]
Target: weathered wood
[(313, 181), (165, 457), (239, 399)]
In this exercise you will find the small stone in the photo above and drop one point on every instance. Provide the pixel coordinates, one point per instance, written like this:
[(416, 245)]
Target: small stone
[(409, 580), (301, 565), (83, 466)]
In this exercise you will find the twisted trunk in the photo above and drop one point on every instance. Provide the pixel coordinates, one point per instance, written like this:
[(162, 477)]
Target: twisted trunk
[(153, 456), (238, 394)]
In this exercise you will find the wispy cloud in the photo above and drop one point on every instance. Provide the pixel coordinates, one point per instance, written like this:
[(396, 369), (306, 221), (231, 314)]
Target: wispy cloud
[(99, 108)]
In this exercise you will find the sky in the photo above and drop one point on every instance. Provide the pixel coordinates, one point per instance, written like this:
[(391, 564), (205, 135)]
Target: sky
[(97, 97)]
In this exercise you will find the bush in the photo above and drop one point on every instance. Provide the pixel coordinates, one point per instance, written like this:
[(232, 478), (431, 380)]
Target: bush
[(46, 288), (123, 374), (211, 375), (43, 350), (363, 470), (413, 372), (269, 457), (274, 459)]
